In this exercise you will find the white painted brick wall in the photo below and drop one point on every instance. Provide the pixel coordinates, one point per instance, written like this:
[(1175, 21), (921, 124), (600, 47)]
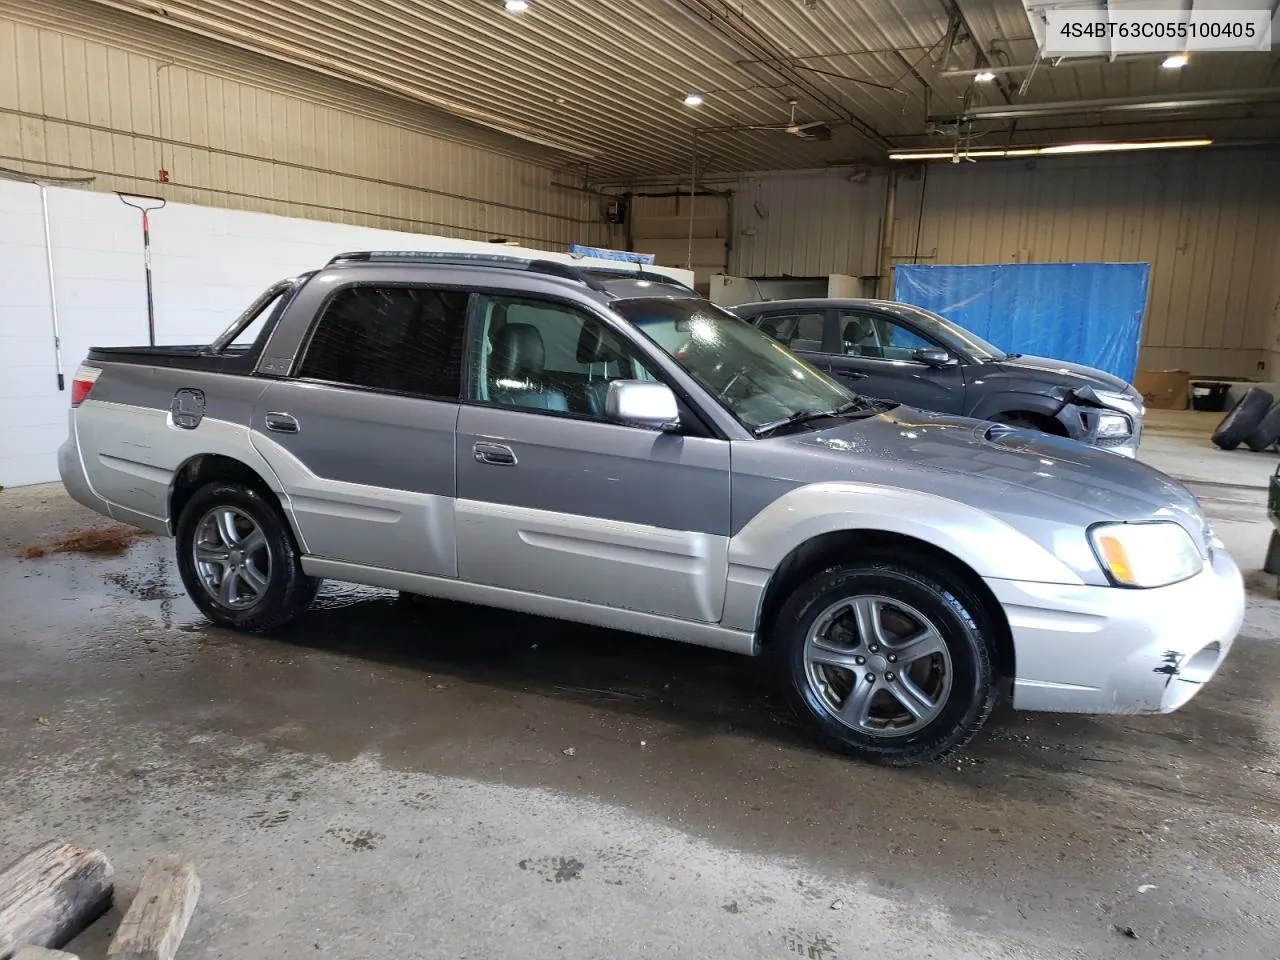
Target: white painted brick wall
[(208, 265)]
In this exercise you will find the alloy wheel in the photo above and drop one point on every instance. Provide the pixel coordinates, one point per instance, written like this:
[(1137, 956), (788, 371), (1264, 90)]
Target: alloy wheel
[(880, 666), (232, 558)]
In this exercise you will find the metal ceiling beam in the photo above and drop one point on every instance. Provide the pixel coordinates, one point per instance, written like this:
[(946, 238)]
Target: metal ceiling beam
[(1117, 105), (981, 58), (1057, 64), (731, 23)]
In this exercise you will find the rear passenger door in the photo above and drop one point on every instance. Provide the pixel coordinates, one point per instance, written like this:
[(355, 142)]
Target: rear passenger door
[(805, 333), (362, 437), (554, 499)]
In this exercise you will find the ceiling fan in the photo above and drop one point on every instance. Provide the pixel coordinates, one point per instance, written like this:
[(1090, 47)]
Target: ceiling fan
[(813, 130)]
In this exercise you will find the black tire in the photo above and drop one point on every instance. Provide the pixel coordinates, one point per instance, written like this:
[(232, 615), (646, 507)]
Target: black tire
[(1243, 418), (286, 590), (1267, 431), (958, 618)]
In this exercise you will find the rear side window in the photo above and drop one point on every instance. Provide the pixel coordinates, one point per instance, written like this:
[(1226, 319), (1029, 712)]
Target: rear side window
[(400, 339), (799, 331)]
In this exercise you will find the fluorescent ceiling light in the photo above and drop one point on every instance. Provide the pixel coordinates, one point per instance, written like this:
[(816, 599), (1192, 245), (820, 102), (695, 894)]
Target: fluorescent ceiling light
[(1122, 146), (1116, 146), (517, 6), (985, 77), (693, 100), (1176, 61)]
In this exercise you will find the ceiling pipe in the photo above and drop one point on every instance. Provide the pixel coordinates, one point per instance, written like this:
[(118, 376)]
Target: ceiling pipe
[(1115, 105), (1058, 63)]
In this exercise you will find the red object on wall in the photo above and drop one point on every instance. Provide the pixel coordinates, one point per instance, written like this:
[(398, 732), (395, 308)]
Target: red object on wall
[(164, 176)]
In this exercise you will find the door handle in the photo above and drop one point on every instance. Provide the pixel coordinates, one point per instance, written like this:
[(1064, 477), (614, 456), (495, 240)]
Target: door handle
[(498, 454), (282, 422), (853, 375)]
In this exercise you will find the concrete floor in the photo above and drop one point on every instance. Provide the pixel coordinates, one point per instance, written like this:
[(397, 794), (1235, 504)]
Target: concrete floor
[(380, 781)]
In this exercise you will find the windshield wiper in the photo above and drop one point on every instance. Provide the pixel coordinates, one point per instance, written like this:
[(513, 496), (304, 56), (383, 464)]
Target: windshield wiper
[(802, 415)]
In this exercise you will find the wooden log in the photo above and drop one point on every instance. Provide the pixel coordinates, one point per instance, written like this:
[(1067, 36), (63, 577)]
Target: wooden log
[(43, 953), (51, 893), (157, 919)]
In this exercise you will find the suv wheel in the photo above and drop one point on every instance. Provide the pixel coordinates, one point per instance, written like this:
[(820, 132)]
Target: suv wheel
[(238, 559), (887, 663)]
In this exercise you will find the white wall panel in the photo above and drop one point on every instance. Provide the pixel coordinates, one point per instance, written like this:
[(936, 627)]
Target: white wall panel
[(88, 91), (208, 265)]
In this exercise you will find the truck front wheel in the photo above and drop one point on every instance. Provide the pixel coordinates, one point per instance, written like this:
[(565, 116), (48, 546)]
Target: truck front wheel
[(238, 559), (886, 662)]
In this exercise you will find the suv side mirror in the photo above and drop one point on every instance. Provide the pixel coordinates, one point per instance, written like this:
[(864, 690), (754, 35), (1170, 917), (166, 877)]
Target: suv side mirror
[(934, 356), (642, 403)]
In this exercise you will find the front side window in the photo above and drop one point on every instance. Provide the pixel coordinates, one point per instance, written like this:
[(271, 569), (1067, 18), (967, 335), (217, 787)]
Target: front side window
[(950, 335), (541, 355), (796, 331), (401, 339), (877, 337), (756, 378)]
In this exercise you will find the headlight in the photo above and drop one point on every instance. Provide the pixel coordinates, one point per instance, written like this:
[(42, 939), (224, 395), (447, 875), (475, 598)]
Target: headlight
[(1121, 401), (1145, 554), (1114, 425)]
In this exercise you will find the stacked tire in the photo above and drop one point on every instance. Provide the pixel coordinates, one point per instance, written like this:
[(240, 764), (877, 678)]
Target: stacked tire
[(1253, 421)]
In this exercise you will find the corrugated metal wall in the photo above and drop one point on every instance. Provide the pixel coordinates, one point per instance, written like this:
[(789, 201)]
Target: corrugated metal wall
[(807, 226), (1208, 222), (660, 225), (87, 91)]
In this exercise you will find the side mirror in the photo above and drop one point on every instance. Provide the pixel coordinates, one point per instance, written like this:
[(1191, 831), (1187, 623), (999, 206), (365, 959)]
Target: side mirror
[(934, 356), (642, 403)]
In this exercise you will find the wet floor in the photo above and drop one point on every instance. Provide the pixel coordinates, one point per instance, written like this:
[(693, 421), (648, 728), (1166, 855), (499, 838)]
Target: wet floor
[(436, 780)]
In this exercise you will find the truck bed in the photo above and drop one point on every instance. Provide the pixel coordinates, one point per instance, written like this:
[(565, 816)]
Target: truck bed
[(194, 357)]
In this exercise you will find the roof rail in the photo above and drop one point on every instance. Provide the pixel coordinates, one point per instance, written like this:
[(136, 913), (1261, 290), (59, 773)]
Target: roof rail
[(621, 273), (548, 267)]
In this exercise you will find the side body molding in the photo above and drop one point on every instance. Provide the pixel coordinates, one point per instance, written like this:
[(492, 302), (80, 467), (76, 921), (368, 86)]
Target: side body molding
[(992, 548)]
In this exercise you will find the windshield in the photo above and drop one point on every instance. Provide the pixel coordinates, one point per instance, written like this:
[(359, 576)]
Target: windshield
[(760, 381), (950, 333)]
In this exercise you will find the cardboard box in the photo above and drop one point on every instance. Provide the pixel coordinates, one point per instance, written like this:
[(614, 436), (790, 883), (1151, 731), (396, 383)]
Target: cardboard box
[(1164, 389)]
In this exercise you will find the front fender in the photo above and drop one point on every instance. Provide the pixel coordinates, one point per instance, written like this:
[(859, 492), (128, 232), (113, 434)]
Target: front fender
[(1009, 401), (987, 545)]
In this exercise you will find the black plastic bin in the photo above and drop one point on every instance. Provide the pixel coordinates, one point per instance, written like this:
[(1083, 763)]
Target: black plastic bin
[(1209, 395)]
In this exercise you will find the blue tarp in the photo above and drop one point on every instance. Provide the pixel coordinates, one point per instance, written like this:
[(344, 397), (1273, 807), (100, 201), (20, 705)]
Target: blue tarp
[(1089, 313)]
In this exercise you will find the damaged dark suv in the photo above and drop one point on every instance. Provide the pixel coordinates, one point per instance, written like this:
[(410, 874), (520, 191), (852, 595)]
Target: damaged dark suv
[(895, 351)]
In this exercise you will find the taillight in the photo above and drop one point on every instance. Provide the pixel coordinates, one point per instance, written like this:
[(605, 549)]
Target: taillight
[(82, 382)]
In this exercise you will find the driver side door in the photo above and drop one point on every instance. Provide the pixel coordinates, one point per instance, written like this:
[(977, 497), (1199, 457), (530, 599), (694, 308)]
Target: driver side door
[(877, 359), (555, 499)]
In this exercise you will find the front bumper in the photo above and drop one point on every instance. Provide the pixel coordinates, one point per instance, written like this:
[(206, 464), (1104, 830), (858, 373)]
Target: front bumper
[(1087, 649)]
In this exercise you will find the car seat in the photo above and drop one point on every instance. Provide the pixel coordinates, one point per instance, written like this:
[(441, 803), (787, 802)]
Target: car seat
[(516, 367), (860, 334), (596, 344)]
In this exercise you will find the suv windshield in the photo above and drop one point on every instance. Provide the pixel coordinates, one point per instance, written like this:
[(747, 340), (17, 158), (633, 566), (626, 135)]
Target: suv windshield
[(950, 333), (760, 381)]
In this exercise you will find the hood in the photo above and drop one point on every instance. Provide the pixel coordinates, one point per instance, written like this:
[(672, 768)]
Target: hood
[(1009, 472), (1072, 375)]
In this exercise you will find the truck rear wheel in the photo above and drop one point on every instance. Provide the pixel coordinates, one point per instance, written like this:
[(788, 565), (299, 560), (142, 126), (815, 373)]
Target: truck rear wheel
[(238, 559), (886, 662)]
